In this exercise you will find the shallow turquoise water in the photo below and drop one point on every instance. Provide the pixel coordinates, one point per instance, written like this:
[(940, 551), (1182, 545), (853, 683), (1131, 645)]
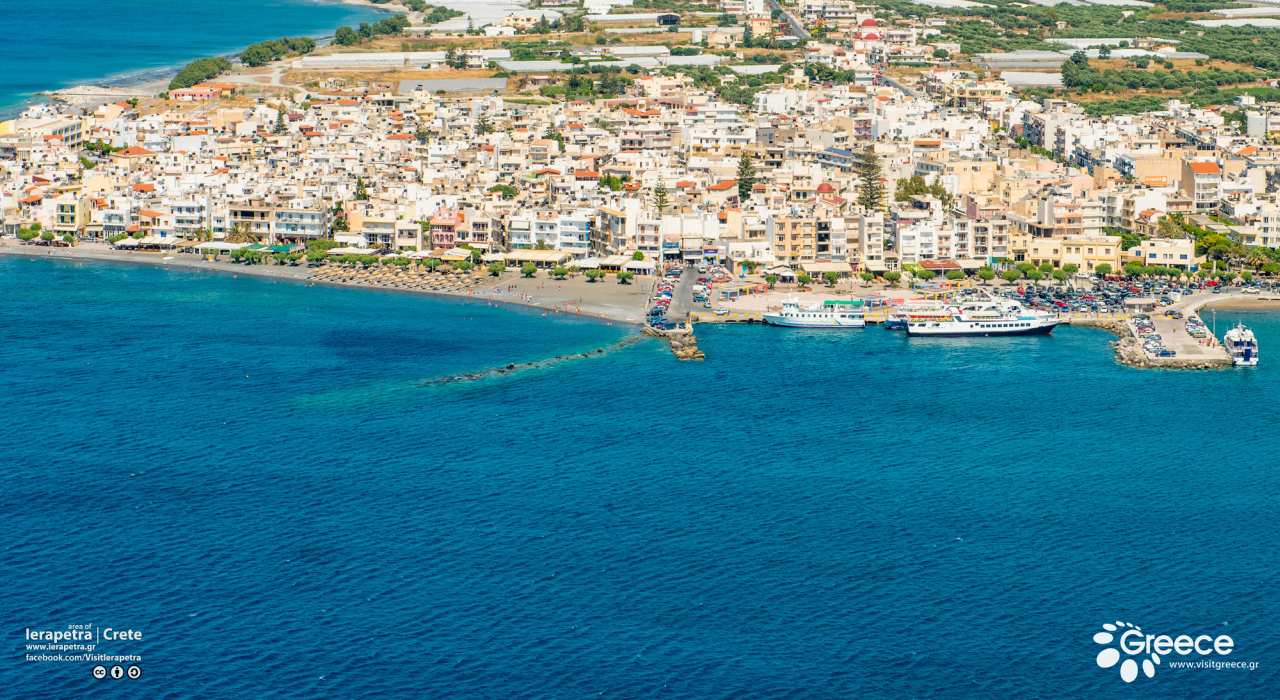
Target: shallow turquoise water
[(253, 473), (58, 43)]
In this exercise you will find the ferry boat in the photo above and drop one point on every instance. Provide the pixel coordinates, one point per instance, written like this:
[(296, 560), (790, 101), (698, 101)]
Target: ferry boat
[(833, 313), (897, 319), (984, 318), (1242, 346)]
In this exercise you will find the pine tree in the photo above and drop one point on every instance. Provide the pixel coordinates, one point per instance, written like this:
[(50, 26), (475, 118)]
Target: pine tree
[(280, 127), (871, 189), (483, 126), (746, 178), (660, 197)]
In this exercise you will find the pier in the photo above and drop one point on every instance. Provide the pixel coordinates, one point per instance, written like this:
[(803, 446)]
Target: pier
[(1191, 352), (684, 344)]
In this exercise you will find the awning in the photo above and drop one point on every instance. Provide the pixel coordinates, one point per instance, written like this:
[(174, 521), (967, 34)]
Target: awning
[(824, 267), (219, 247), (537, 256)]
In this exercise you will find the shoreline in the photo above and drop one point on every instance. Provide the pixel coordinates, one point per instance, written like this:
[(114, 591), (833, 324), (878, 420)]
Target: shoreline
[(149, 82), (551, 303)]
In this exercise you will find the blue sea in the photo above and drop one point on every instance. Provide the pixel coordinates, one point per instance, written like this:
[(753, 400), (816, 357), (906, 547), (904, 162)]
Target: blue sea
[(260, 477), (58, 43)]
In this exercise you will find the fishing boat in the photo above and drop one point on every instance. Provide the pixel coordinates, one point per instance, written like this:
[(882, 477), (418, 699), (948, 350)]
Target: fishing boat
[(984, 318), (1242, 346), (833, 313)]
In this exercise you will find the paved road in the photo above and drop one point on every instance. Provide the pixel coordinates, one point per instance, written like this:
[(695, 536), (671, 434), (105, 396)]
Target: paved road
[(910, 92), (797, 27), (682, 297)]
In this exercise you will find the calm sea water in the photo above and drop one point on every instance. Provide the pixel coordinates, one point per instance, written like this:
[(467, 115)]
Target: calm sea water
[(253, 474), (58, 43)]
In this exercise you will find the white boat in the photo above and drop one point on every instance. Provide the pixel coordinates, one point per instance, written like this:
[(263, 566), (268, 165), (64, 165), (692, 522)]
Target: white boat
[(897, 318), (833, 313), (1242, 346), (985, 318)]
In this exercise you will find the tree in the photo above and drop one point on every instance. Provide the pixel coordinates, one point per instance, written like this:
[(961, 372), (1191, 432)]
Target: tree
[(986, 274), (625, 277), (528, 270), (771, 279), (455, 59), (892, 277), (1170, 227), (955, 275), (637, 256), (804, 279), (746, 178), (660, 197), (870, 187), (280, 125), (1071, 268), (483, 126), (923, 275), (464, 266), (831, 278), (362, 192), (560, 272), (495, 268), (346, 36), (240, 234), (1012, 275), (198, 71), (594, 276), (1061, 275), (506, 191), (867, 276), (1046, 268), (1035, 276)]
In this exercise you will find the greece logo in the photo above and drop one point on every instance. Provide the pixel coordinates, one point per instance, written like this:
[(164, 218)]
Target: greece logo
[(1110, 655), (1126, 645)]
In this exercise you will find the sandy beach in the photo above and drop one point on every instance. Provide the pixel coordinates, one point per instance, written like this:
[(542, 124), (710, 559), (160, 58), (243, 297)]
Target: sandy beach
[(1261, 302), (606, 300)]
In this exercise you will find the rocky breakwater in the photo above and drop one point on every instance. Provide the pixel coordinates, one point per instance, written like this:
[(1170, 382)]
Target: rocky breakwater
[(684, 345), (1129, 350)]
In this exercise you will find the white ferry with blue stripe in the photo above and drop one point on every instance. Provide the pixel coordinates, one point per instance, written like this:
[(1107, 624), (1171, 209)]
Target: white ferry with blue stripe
[(984, 318)]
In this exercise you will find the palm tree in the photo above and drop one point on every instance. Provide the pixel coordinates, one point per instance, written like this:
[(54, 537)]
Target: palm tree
[(240, 234)]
